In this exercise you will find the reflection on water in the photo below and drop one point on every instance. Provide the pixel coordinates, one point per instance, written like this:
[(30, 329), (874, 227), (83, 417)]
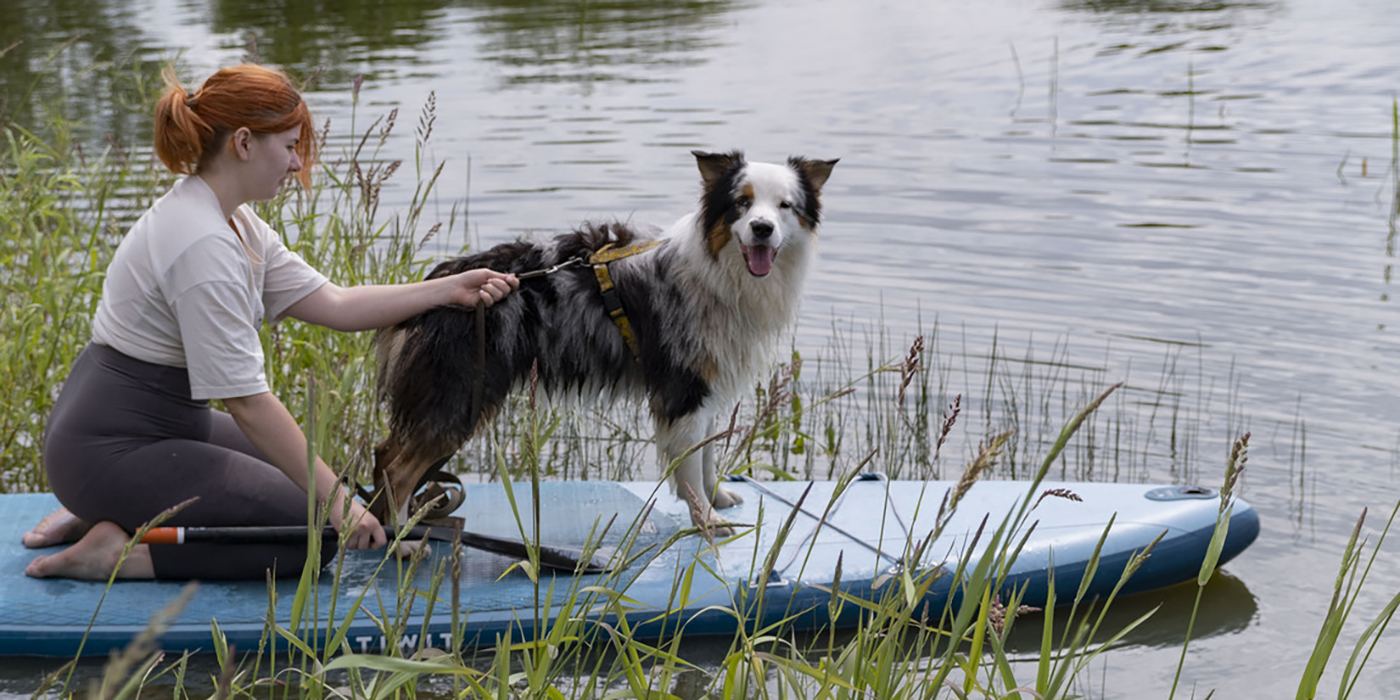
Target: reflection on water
[(368, 37), (582, 43), (63, 57), (1209, 8), (1161, 26), (1198, 25), (1227, 607), (59, 57)]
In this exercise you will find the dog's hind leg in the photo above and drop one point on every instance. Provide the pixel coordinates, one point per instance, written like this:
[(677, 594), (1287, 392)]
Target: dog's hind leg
[(398, 470), (386, 452)]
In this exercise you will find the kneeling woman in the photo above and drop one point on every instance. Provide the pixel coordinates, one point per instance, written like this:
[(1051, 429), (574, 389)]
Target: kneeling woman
[(132, 432)]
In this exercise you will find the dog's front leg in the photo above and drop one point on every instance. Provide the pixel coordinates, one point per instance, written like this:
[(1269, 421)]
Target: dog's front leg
[(720, 497), (693, 472), (678, 447)]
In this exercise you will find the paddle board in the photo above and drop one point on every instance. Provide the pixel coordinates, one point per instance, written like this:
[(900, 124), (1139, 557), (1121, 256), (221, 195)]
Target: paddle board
[(796, 540)]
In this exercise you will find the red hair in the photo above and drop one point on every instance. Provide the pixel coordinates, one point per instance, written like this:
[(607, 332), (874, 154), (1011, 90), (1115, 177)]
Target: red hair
[(191, 126)]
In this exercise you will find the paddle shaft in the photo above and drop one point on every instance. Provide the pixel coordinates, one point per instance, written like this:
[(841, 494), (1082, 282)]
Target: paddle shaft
[(551, 556), (266, 534)]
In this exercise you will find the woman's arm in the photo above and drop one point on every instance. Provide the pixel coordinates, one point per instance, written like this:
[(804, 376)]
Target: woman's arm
[(378, 306), (272, 429)]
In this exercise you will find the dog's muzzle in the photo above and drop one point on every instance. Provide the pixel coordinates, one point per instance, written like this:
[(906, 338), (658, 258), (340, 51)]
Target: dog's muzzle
[(760, 255)]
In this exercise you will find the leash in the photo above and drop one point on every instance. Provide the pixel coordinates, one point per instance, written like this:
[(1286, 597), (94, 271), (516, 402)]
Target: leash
[(578, 261), (479, 381), (599, 261), (822, 522)]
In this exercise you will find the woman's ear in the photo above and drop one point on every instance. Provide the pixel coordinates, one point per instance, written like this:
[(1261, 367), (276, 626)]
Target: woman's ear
[(241, 142)]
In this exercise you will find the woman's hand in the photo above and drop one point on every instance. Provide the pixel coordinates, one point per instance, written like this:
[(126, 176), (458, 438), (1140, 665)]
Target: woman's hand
[(267, 423), (366, 532), (481, 286), (373, 306)]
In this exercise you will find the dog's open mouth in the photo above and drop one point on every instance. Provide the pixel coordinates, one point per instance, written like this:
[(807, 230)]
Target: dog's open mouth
[(760, 258)]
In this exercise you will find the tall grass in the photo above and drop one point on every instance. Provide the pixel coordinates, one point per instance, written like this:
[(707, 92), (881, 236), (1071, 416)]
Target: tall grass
[(65, 208)]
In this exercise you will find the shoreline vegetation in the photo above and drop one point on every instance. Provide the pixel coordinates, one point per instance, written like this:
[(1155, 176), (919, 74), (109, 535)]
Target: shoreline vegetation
[(63, 208)]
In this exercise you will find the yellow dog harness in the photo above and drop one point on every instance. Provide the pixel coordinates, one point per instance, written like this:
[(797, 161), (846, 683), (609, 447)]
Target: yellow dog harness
[(600, 261)]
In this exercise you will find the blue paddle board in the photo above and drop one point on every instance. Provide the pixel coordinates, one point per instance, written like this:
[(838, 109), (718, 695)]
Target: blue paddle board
[(796, 541)]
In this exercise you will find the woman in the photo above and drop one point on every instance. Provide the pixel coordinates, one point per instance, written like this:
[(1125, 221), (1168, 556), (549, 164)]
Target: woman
[(177, 325)]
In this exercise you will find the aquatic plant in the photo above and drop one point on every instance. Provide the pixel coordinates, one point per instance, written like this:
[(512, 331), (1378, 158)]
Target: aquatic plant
[(64, 208)]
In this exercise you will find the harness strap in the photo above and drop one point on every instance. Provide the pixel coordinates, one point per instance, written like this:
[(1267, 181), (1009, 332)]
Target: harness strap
[(612, 301)]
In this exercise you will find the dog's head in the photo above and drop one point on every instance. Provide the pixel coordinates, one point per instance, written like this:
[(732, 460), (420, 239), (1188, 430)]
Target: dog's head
[(763, 205)]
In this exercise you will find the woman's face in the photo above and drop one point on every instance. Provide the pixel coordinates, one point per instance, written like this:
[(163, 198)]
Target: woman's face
[(275, 159)]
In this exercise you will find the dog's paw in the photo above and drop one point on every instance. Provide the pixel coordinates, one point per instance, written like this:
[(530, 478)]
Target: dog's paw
[(408, 549), (725, 498), (712, 524)]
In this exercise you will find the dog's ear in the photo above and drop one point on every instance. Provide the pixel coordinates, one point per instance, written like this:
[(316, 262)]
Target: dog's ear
[(714, 166), (816, 171)]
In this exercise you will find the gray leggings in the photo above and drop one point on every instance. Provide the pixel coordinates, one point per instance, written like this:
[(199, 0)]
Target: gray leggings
[(125, 441)]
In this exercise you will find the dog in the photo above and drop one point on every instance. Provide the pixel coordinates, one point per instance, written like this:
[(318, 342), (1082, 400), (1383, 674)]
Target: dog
[(703, 305)]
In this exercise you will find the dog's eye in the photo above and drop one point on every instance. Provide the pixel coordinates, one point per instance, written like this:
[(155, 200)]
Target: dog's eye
[(743, 202), (785, 205)]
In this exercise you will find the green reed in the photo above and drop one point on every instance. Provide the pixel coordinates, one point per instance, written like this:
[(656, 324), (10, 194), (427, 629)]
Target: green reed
[(827, 415), (67, 212)]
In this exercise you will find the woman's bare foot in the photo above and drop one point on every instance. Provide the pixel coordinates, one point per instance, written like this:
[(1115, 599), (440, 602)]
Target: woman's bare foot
[(93, 557), (58, 527)]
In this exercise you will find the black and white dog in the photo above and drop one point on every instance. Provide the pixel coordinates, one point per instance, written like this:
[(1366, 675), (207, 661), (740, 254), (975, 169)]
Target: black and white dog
[(705, 307)]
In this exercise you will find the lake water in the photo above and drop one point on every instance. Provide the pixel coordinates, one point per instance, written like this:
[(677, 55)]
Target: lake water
[(1195, 197)]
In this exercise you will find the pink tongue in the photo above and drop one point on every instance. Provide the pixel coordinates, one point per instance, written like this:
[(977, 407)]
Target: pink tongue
[(760, 259)]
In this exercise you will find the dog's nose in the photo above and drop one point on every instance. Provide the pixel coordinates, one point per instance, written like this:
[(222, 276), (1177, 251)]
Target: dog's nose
[(761, 228)]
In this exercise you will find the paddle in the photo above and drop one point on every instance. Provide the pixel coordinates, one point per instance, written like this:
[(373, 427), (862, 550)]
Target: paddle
[(570, 559)]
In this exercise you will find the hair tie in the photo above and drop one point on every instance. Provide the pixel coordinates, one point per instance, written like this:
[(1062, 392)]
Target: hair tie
[(190, 100)]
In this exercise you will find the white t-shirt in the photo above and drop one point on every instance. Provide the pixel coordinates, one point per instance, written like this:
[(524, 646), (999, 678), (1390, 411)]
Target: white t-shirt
[(183, 291)]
